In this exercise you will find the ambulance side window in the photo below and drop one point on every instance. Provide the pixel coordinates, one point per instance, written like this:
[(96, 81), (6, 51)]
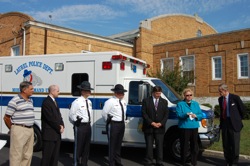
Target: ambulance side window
[(133, 93), (77, 79)]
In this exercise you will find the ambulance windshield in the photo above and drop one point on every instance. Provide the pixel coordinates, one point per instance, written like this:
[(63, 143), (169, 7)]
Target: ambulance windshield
[(172, 96)]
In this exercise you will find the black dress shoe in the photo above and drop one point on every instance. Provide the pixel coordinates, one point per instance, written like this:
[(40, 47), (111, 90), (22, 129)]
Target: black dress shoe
[(159, 164), (148, 164)]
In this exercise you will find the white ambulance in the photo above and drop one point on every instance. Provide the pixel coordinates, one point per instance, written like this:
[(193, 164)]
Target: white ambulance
[(103, 70)]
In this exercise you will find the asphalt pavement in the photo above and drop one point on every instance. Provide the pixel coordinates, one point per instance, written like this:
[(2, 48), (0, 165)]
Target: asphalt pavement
[(130, 156)]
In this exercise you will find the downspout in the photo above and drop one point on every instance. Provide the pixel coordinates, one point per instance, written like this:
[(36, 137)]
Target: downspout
[(45, 41), (24, 40)]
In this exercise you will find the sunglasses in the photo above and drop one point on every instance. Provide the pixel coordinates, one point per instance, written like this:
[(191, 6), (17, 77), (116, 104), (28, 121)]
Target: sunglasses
[(188, 95)]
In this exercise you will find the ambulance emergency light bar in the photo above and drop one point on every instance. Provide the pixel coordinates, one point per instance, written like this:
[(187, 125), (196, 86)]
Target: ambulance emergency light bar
[(108, 65)]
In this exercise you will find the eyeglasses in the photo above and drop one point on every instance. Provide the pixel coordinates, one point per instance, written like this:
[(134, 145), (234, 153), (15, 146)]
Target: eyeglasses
[(188, 95)]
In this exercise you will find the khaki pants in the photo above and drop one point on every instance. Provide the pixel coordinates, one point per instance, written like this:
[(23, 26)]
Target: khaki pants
[(21, 145)]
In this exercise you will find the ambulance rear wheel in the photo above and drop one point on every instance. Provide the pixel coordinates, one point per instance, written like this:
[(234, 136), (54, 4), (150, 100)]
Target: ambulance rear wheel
[(37, 140)]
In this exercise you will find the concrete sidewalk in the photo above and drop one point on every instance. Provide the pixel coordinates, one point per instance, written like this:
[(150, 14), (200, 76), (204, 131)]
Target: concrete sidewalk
[(217, 153)]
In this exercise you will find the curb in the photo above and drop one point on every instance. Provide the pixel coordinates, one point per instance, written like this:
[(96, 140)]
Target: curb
[(213, 152)]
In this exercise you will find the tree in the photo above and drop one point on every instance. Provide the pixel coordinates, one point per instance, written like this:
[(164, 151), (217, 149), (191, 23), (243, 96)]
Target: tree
[(174, 77)]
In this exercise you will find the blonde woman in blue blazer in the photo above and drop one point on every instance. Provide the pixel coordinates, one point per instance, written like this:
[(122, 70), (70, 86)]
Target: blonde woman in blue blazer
[(189, 114)]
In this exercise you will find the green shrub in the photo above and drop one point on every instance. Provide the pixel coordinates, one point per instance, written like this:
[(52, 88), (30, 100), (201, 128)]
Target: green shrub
[(247, 113), (245, 116), (217, 111)]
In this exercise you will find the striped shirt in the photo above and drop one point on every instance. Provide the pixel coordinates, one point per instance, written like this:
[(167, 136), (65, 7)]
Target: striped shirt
[(21, 111)]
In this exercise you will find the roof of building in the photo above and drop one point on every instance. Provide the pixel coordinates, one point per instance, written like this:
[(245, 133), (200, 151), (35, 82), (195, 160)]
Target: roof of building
[(130, 35), (203, 37), (75, 32)]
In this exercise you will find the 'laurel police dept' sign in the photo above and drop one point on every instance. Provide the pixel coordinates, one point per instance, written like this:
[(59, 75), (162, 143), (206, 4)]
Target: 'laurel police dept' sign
[(29, 75)]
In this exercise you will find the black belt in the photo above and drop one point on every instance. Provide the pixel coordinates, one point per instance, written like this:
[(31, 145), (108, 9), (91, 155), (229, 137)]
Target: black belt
[(22, 125), (84, 123), (117, 121)]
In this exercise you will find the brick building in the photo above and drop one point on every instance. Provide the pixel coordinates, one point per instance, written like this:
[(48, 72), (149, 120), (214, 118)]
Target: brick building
[(213, 59), (20, 34), (164, 28), (160, 41)]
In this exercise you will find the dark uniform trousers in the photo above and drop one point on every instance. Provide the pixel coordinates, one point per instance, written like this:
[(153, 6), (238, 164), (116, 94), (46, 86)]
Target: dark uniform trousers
[(231, 142), (116, 134), (82, 144)]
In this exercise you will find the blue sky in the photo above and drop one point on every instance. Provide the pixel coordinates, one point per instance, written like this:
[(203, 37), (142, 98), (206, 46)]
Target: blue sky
[(108, 17)]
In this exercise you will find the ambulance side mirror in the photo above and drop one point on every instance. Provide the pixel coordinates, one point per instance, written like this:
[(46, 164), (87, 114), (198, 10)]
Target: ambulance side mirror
[(142, 90)]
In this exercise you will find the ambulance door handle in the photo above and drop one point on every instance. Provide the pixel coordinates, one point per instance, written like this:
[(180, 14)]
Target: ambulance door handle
[(101, 105)]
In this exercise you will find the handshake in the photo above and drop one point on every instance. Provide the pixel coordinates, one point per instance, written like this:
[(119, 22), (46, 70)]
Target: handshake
[(78, 121)]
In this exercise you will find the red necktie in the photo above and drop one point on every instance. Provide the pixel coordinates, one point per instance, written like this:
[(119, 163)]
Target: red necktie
[(224, 108)]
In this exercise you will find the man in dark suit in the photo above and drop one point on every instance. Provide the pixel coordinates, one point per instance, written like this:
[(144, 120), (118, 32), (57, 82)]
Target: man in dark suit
[(52, 128), (155, 115), (232, 110)]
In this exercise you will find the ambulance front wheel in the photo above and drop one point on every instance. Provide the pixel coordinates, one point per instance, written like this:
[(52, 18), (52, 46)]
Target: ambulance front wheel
[(172, 145), (37, 140)]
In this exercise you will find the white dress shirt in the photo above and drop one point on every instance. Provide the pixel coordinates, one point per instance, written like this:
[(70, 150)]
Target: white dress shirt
[(113, 107), (79, 108)]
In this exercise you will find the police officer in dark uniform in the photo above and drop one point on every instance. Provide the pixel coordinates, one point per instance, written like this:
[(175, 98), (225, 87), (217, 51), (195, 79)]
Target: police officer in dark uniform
[(80, 116), (115, 108)]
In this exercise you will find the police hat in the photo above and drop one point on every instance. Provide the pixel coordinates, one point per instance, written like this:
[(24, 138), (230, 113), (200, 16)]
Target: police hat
[(85, 85), (119, 88)]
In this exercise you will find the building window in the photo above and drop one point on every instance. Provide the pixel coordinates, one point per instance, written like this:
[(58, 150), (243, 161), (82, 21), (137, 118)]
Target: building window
[(187, 66), (167, 63), (243, 66), (216, 68), (199, 33), (15, 50)]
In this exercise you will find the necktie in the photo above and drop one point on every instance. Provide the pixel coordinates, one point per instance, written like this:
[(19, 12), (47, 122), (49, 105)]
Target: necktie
[(156, 104), (122, 110), (55, 103), (224, 108), (88, 109)]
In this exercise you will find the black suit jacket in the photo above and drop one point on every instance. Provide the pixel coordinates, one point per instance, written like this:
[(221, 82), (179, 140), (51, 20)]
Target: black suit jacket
[(51, 120), (150, 115), (236, 111)]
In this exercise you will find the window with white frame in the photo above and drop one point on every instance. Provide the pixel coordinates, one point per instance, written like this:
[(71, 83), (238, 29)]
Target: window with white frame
[(15, 50), (167, 63), (187, 66), (217, 68), (243, 66)]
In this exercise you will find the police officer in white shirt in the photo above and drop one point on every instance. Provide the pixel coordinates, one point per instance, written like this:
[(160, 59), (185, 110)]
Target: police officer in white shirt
[(80, 115), (115, 107)]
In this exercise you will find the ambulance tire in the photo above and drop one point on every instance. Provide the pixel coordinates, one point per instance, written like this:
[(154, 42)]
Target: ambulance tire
[(37, 140), (173, 147)]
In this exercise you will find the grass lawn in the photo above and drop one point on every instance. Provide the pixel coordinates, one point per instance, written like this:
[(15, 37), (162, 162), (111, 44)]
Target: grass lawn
[(244, 140)]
